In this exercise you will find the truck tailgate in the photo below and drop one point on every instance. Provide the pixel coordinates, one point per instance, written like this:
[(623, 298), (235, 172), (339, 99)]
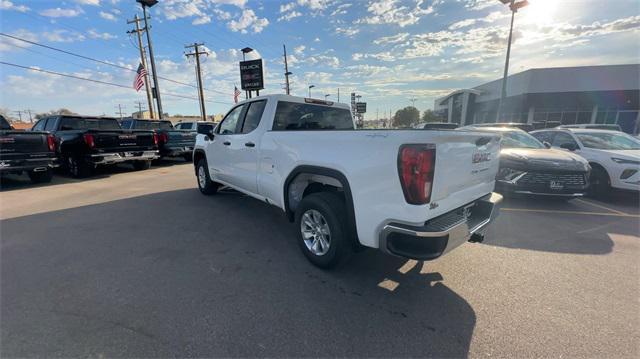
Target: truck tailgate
[(465, 162), (123, 140), (181, 138), (23, 142)]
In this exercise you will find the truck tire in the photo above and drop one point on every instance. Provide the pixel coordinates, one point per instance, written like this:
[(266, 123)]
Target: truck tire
[(78, 167), (599, 182), (41, 177), (141, 165), (205, 184), (323, 235)]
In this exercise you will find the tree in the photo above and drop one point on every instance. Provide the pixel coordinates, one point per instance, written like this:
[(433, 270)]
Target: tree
[(62, 111), (430, 116), (406, 117)]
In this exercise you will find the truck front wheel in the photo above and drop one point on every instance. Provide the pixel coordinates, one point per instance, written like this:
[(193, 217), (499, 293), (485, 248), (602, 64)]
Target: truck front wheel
[(205, 184), (41, 176), (323, 238)]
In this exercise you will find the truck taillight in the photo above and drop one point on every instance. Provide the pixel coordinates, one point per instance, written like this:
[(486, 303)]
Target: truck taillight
[(155, 139), (88, 139), (163, 138), (416, 164), (51, 143)]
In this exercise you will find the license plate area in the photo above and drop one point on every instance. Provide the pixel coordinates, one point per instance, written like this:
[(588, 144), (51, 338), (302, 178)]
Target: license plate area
[(556, 185)]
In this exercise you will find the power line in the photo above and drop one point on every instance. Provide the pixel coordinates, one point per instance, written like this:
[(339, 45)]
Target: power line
[(99, 61), (100, 82)]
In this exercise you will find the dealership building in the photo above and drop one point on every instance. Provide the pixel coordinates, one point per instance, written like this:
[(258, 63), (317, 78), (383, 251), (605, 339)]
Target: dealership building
[(568, 95)]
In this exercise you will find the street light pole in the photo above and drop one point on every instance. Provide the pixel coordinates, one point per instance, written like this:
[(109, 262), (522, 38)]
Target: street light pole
[(513, 6), (310, 87), (156, 86)]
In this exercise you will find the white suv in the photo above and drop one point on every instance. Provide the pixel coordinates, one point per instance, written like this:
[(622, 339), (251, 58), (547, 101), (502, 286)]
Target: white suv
[(614, 156)]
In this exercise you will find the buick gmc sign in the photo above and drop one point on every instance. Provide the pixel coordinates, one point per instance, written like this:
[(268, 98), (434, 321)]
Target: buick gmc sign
[(251, 77)]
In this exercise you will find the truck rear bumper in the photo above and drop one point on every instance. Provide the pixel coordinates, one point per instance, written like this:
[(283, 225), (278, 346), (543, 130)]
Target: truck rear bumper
[(118, 157), (176, 151), (442, 234), (31, 164)]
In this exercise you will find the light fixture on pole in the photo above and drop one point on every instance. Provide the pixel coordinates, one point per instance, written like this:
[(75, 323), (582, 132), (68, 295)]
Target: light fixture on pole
[(310, 87), (514, 6), (326, 96), (245, 51)]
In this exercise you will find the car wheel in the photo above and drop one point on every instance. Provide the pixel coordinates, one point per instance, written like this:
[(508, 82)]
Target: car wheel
[(78, 167), (205, 184), (323, 233), (141, 165), (599, 182), (41, 176)]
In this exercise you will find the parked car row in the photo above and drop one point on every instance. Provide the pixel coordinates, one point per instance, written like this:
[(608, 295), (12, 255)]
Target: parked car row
[(79, 144)]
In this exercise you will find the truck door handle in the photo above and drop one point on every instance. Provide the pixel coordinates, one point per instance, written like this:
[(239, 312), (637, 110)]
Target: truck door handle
[(226, 143), (250, 144)]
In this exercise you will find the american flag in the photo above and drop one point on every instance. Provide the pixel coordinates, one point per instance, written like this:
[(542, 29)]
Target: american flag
[(138, 82), (236, 93)]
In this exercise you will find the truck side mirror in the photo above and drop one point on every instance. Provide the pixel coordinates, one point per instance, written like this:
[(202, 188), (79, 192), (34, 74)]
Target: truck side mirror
[(546, 144)]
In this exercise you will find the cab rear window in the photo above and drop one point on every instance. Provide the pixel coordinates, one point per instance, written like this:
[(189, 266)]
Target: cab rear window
[(78, 123), (292, 116)]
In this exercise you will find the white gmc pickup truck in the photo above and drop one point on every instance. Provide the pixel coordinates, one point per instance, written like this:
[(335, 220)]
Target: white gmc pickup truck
[(412, 193)]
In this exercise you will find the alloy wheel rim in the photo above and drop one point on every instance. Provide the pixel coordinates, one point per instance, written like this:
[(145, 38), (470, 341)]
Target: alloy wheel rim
[(202, 180), (315, 232)]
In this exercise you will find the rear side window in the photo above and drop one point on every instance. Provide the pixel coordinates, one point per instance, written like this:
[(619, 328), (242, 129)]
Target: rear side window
[(546, 136), (40, 125), (186, 126), (253, 116), (51, 125), (291, 116)]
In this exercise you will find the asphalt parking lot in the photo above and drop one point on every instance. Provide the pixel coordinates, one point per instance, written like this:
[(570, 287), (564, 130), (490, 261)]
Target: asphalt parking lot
[(140, 264)]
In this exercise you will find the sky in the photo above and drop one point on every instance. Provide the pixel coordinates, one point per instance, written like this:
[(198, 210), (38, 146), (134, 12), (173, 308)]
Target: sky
[(388, 51)]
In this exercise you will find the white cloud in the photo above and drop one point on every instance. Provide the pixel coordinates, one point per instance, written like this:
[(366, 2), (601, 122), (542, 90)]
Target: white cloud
[(492, 17), (341, 9), (480, 4), (63, 36), (393, 39), (8, 5), (94, 34), (287, 7), (248, 19), (59, 12), (107, 16), (290, 15), (201, 20), (89, 2), (6, 42), (347, 31), (390, 12), (298, 50), (317, 39)]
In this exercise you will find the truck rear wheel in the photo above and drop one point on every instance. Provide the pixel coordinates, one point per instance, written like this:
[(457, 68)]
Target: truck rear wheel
[(321, 220), (205, 184), (141, 165), (78, 167), (41, 176)]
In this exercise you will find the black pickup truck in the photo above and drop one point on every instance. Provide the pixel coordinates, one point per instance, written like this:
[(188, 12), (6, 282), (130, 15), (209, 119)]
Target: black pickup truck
[(84, 142), (31, 152), (171, 142)]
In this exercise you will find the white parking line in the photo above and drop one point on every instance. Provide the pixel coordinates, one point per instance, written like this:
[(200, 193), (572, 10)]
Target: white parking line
[(601, 206), (621, 214)]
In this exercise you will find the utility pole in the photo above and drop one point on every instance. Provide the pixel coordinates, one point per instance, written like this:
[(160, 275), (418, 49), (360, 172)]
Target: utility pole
[(143, 60), (120, 113), (140, 108), (19, 114), (338, 94), (286, 69), (30, 116), (413, 101), (196, 53), (156, 86)]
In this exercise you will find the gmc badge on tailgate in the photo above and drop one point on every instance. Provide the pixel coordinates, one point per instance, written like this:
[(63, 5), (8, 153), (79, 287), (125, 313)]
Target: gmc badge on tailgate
[(481, 157), (127, 137)]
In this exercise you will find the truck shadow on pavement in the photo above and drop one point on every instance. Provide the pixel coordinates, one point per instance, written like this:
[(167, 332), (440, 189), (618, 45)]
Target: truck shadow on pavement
[(180, 274), (576, 226)]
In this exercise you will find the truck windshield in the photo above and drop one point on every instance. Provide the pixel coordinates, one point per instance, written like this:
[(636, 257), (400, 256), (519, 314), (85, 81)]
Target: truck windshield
[(291, 116), (80, 123)]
